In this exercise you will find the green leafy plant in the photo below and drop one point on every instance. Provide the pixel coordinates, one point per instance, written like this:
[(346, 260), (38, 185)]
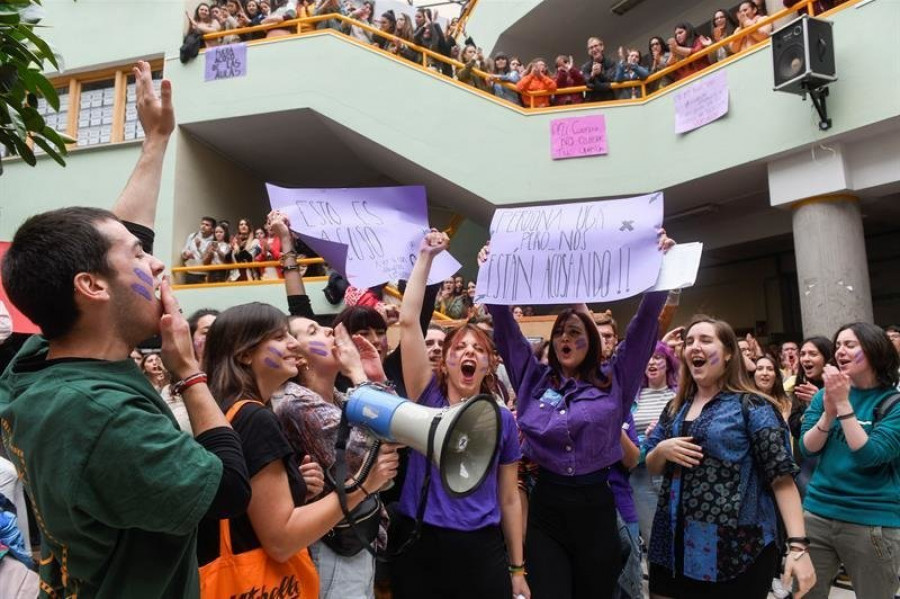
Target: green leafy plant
[(22, 57)]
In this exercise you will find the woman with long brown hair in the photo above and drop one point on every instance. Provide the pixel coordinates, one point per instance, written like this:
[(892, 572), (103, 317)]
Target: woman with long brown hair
[(250, 353), (724, 452)]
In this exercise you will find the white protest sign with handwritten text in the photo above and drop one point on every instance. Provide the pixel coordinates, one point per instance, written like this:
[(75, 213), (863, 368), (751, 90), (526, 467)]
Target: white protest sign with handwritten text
[(378, 230), (571, 253), (702, 102)]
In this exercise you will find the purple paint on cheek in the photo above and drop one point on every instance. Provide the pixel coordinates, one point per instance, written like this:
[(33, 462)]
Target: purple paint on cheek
[(713, 358), (271, 349), (144, 277), (581, 343), (451, 362), (317, 351), (860, 357), (317, 344), (142, 291), (271, 363)]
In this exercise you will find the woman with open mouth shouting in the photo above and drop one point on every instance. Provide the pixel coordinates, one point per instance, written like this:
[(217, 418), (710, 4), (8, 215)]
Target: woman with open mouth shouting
[(469, 546), (571, 413), (724, 452), (853, 425)]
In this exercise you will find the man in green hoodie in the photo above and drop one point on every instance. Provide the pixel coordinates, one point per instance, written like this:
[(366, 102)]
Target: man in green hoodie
[(117, 489)]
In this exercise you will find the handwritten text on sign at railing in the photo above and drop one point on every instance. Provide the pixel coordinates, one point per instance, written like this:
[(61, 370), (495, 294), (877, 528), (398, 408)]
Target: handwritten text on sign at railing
[(578, 136), (570, 253)]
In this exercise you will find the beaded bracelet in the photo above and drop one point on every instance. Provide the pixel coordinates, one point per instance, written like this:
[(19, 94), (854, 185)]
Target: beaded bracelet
[(517, 569)]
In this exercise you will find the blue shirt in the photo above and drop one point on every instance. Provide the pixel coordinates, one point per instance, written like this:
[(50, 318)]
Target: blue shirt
[(574, 428), (725, 504)]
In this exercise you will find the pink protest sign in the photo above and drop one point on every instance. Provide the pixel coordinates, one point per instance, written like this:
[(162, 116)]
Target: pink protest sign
[(578, 136), (701, 103)]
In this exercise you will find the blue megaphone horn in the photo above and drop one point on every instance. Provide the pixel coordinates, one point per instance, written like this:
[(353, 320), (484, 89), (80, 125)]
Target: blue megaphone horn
[(464, 438)]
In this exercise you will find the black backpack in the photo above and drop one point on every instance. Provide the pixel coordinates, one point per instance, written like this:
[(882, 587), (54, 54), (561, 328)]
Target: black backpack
[(884, 406)]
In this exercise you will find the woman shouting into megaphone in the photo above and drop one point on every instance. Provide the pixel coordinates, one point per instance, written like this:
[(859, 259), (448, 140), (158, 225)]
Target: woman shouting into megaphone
[(468, 546)]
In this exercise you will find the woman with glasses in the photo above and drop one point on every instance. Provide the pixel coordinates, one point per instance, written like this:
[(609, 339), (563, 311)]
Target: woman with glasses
[(723, 25), (656, 60)]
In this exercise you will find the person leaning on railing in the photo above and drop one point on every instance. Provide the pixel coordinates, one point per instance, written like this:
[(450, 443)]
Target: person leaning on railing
[(629, 69), (281, 11), (429, 35), (686, 42), (473, 59), (598, 72), (723, 25), (536, 79), (748, 15), (362, 13), (502, 72), (404, 31), (203, 23), (567, 75), (656, 60), (386, 24)]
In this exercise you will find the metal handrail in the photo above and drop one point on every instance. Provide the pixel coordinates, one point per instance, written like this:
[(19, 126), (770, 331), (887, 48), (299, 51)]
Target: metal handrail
[(427, 54)]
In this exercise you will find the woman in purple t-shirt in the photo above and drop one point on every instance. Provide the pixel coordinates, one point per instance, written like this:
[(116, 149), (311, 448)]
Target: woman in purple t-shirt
[(469, 546), (571, 413)]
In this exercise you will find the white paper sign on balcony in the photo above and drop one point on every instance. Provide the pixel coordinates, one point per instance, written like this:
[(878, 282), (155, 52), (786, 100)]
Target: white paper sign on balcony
[(702, 102)]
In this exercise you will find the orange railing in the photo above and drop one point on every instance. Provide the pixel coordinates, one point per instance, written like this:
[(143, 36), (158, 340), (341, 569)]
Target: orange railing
[(427, 55)]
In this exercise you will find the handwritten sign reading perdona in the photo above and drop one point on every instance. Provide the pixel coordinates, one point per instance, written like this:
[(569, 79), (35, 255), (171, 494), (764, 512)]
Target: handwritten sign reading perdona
[(571, 253), (226, 62), (701, 103), (371, 235), (578, 136)]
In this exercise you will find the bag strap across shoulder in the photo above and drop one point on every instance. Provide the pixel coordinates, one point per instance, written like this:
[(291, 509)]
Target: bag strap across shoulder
[(224, 525)]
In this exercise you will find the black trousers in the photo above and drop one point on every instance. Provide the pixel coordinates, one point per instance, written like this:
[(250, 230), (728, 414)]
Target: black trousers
[(572, 548), (754, 583), (450, 564)]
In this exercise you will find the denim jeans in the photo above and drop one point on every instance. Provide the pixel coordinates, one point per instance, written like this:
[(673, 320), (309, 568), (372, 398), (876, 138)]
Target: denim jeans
[(343, 577), (645, 490), (871, 555), (631, 579)]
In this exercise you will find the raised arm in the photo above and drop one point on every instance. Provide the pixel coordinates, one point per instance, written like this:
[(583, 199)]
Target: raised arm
[(137, 203), (511, 344), (416, 368), (640, 337), (298, 301)]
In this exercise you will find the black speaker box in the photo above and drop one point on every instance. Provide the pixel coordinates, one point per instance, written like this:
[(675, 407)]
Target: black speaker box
[(803, 55)]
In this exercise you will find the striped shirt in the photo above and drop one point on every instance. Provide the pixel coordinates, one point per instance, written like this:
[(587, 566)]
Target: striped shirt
[(649, 405)]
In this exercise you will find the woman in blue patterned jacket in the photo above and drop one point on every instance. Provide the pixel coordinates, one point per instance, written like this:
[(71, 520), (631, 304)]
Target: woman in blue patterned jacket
[(725, 455)]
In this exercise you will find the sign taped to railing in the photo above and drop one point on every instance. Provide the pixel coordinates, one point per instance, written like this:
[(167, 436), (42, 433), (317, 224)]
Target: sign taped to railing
[(571, 253), (370, 235), (226, 62), (701, 103), (578, 136)]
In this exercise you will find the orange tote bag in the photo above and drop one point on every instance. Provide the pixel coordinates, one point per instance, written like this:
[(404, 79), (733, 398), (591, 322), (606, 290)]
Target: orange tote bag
[(253, 573)]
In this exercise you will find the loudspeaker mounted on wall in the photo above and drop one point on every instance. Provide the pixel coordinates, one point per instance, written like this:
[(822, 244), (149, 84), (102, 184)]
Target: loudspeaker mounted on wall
[(803, 60)]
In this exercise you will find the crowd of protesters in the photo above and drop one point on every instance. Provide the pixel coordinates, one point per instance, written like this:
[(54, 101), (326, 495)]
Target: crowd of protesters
[(144, 470), (507, 77)]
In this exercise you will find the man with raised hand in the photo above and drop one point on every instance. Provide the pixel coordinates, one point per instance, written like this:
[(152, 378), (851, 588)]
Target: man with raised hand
[(117, 489)]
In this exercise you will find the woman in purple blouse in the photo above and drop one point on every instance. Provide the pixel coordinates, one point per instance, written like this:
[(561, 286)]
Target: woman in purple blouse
[(469, 546), (571, 413)]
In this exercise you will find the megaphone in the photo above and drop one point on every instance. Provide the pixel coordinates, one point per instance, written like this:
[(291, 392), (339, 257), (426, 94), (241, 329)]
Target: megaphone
[(463, 439)]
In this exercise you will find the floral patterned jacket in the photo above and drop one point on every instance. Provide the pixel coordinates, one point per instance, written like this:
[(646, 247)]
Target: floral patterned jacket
[(727, 510)]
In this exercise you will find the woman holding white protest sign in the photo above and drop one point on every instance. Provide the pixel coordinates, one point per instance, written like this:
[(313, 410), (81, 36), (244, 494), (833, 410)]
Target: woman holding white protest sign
[(570, 413)]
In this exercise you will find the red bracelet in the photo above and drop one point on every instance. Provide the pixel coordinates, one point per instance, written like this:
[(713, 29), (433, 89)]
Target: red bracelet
[(188, 381)]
